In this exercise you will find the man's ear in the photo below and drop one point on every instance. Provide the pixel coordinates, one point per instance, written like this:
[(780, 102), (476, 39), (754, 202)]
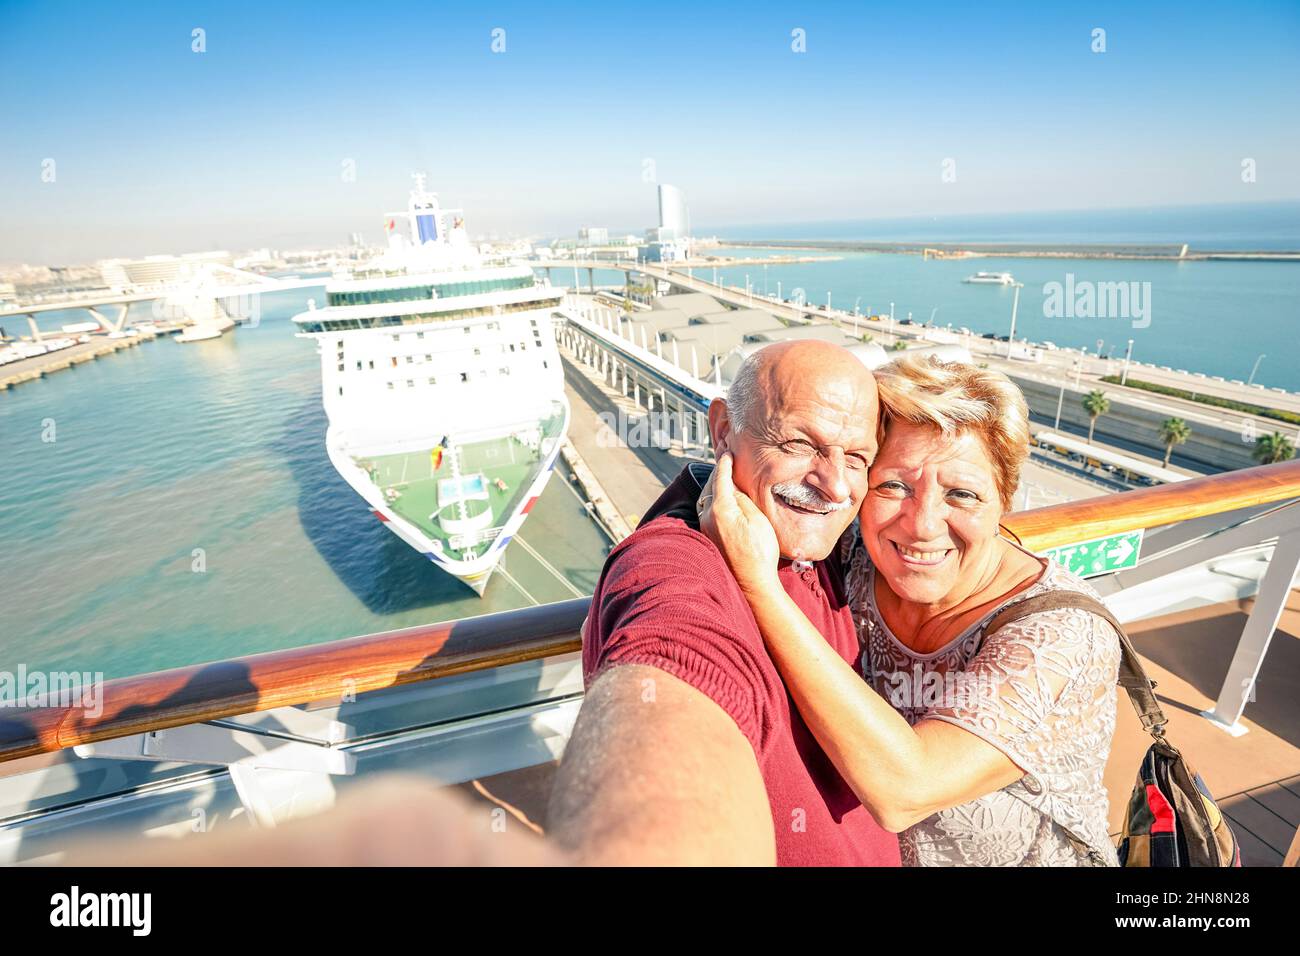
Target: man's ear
[(719, 426)]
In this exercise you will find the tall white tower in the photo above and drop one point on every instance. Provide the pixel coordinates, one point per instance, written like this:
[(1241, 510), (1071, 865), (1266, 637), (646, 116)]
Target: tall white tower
[(673, 220)]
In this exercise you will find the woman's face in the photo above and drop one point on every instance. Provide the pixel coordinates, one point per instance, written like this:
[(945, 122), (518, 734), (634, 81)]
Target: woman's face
[(930, 517)]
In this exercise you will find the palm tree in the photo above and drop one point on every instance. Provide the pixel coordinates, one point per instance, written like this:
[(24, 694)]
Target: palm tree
[(1270, 449), (1173, 431), (1095, 403)]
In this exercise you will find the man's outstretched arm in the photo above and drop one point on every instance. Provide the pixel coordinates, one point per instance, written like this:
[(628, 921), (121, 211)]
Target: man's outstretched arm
[(657, 773)]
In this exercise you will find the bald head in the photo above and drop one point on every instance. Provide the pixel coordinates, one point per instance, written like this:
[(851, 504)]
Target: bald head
[(774, 370), (800, 420)]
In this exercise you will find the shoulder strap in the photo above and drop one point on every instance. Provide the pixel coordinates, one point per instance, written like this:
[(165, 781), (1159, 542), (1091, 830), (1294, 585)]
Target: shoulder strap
[(697, 472), (1140, 688)]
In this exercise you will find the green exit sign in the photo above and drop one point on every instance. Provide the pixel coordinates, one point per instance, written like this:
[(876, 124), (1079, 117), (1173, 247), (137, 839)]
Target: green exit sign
[(1101, 556)]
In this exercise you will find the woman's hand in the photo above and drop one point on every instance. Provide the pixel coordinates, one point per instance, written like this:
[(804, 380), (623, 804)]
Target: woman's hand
[(741, 532)]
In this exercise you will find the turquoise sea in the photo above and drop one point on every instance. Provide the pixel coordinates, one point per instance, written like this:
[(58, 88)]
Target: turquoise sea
[(1255, 226), (168, 458)]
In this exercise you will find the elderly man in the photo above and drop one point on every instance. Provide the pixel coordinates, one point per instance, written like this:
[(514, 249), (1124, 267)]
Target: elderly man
[(688, 749)]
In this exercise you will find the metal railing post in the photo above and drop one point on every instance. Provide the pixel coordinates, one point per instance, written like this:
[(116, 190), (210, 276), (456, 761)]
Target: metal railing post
[(1239, 685)]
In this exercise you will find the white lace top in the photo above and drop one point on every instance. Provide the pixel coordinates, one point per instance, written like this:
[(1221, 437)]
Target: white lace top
[(1041, 690)]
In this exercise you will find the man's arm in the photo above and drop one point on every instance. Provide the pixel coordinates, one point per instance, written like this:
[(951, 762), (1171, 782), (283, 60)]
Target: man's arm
[(657, 773), (392, 820)]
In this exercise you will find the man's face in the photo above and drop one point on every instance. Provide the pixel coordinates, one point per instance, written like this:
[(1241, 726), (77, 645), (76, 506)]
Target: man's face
[(803, 458)]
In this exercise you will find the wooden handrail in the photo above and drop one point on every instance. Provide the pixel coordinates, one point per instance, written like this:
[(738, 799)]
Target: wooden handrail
[(1090, 518), (325, 672), (318, 672)]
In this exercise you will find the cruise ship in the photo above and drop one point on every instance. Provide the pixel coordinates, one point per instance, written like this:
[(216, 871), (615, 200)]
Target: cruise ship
[(443, 387)]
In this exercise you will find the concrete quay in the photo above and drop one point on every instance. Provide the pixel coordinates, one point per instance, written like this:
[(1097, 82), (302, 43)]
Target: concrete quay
[(38, 366)]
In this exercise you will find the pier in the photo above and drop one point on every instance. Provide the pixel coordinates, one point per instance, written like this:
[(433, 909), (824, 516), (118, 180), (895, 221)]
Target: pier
[(217, 285), (38, 366), (940, 250)]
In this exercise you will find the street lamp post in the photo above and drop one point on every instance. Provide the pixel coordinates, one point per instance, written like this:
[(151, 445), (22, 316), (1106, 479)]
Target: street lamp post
[(1128, 354), (1251, 380), (1015, 305)]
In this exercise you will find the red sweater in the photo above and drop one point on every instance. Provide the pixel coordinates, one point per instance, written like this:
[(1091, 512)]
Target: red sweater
[(667, 599)]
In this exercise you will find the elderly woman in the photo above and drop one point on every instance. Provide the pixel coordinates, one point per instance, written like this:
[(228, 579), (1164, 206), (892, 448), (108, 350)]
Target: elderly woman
[(976, 749)]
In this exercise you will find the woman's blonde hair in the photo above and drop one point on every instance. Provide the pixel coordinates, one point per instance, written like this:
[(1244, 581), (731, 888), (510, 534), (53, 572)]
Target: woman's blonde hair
[(956, 398)]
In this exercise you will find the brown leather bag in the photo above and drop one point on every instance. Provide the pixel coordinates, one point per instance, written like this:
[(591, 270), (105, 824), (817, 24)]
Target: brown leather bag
[(1171, 820)]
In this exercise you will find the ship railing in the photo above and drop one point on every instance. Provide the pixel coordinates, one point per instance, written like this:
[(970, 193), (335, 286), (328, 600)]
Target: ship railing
[(1244, 523), (468, 540)]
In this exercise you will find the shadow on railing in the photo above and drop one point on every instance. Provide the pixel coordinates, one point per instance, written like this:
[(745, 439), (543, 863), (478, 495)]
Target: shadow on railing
[(342, 669)]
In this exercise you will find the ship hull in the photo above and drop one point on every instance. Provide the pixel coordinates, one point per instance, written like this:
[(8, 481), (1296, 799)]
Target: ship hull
[(399, 518)]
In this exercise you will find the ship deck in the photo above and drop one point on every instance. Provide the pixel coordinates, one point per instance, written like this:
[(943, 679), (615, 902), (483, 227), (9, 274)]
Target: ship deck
[(414, 478)]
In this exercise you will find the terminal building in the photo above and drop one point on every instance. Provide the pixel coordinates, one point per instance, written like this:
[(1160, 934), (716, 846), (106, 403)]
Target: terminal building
[(159, 270)]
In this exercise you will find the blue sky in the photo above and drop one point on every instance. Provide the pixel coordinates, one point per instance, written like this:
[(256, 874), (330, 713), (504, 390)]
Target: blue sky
[(158, 148)]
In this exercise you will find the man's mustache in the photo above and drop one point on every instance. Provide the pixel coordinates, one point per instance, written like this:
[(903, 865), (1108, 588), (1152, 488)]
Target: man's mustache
[(807, 497)]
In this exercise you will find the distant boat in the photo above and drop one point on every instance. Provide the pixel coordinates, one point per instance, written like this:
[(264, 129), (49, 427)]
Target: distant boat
[(991, 278)]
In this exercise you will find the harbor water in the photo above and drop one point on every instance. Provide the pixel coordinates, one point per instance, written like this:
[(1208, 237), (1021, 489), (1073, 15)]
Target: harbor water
[(172, 504)]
